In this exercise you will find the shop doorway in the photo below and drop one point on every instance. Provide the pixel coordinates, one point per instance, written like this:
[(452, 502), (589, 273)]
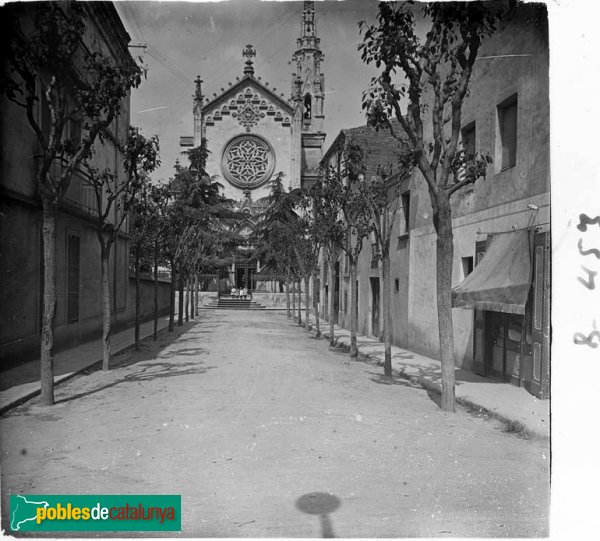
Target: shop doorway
[(503, 345)]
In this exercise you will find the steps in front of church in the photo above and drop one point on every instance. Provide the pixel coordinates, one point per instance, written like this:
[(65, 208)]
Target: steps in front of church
[(232, 303)]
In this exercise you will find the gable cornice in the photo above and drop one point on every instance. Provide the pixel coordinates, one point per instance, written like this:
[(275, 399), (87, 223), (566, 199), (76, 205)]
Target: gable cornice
[(245, 81)]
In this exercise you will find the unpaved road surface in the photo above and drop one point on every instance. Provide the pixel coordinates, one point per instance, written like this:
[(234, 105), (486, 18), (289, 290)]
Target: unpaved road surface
[(265, 432)]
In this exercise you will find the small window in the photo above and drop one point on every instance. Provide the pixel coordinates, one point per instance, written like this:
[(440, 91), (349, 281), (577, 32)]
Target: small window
[(406, 211), (468, 140), (401, 242), (374, 255), (507, 119), (307, 107), (396, 285), (467, 266)]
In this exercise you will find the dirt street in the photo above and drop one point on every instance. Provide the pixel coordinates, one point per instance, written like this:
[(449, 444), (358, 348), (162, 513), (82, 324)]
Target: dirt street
[(265, 432)]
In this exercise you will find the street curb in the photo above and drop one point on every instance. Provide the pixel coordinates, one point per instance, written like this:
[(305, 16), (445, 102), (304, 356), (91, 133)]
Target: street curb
[(512, 425), (66, 377), (58, 380)]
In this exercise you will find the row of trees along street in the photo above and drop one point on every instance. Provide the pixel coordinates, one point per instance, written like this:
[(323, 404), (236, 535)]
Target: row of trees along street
[(187, 225), (44, 61), (422, 79), (180, 223)]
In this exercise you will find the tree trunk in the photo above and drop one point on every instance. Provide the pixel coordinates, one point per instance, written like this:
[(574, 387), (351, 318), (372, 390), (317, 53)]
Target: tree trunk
[(197, 295), (180, 304), (188, 292), (194, 295), (293, 299), (299, 287), (137, 299), (172, 299), (387, 313), (48, 306), (155, 333), (353, 309), (105, 257), (442, 220), (381, 308), (322, 280), (316, 301), (197, 278), (287, 296), (306, 303), (330, 302)]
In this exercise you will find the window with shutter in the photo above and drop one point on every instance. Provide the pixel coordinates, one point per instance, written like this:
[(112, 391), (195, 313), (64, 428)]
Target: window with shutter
[(507, 118)]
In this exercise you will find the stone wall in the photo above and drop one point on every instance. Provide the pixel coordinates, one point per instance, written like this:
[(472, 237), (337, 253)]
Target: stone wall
[(26, 346)]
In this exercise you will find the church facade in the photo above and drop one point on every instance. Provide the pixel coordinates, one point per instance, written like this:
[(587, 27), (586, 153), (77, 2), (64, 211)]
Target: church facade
[(254, 134)]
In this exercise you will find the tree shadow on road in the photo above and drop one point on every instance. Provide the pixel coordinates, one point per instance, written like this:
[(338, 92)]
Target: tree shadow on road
[(189, 352), (382, 379), (148, 372), (148, 357)]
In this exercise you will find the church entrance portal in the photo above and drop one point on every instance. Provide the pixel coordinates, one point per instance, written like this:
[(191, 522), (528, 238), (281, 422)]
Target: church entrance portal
[(244, 276)]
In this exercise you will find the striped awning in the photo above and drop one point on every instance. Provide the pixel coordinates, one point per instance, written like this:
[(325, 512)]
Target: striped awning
[(501, 280)]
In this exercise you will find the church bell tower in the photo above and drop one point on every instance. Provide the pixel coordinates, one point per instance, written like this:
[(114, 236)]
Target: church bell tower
[(308, 96)]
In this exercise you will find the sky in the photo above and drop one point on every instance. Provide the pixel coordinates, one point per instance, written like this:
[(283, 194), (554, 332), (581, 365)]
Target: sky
[(207, 38)]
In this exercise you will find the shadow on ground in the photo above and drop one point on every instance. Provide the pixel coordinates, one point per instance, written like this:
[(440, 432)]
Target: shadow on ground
[(382, 379), (321, 504), (152, 352), (151, 371)]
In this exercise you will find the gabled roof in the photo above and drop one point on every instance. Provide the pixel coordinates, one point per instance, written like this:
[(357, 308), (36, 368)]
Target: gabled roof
[(381, 146), (247, 80)]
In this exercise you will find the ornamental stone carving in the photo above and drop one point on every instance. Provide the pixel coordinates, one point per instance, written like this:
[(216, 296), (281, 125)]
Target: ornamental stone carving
[(249, 115), (248, 161)]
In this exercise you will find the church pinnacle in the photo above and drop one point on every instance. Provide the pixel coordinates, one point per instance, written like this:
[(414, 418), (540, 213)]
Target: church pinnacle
[(308, 82), (198, 102), (198, 97), (308, 20), (248, 53)]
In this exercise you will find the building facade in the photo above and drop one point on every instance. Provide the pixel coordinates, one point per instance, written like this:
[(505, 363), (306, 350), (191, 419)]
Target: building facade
[(78, 279), (501, 317)]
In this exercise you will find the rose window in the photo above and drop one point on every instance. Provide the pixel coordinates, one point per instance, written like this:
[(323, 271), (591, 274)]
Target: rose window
[(248, 161)]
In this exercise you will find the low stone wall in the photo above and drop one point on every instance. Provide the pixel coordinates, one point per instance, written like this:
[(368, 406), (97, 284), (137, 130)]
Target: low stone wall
[(127, 318), (206, 297), (85, 329), (270, 300)]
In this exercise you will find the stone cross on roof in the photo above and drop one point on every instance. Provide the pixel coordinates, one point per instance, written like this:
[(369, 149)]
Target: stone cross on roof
[(198, 82), (248, 53)]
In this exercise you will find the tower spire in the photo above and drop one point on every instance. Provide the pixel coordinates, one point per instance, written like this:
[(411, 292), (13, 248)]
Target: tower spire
[(308, 20), (198, 97), (308, 95), (198, 100)]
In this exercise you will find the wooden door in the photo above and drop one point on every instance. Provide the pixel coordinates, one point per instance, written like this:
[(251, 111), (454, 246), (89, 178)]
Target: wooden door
[(540, 378), (479, 324), (495, 324)]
